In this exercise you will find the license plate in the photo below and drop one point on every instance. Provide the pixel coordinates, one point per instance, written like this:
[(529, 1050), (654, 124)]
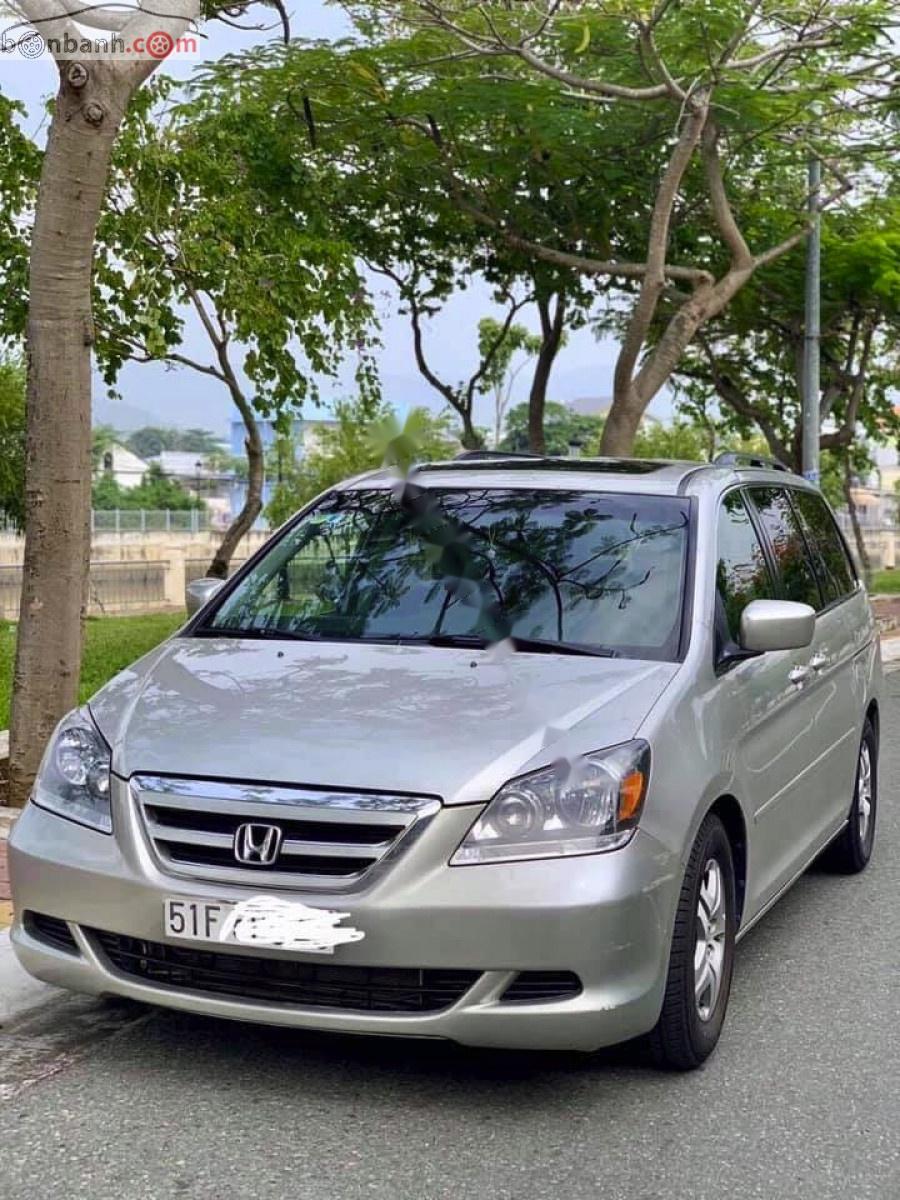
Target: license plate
[(259, 921), (196, 920)]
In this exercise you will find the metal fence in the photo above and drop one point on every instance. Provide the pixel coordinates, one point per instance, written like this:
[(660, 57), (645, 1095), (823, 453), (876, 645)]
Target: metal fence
[(145, 520), (114, 587), (123, 586)]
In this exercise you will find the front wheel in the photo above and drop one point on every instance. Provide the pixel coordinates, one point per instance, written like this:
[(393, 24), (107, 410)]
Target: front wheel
[(851, 851), (702, 955)]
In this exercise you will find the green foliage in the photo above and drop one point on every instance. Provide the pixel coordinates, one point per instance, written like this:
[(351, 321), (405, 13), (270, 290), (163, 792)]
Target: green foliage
[(12, 441), (155, 491), (363, 106), (516, 339), (362, 440), (21, 161), (194, 221), (684, 438), (884, 583), (688, 439), (751, 356), (151, 440), (450, 168), (225, 463), (565, 432), (681, 439), (290, 164)]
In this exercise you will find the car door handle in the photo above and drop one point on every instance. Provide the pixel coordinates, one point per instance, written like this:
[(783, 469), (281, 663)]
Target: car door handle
[(819, 662), (799, 675)]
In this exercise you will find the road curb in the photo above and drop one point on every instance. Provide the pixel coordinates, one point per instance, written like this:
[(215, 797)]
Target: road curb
[(19, 991)]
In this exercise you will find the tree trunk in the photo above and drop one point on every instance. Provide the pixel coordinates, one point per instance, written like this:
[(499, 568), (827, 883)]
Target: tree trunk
[(864, 561), (499, 409), (252, 507), (551, 340), (621, 425), (58, 442), (470, 437)]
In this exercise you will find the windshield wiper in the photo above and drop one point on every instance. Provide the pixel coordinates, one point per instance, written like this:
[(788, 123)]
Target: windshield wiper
[(472, 641), (255, 634), (548, 646)]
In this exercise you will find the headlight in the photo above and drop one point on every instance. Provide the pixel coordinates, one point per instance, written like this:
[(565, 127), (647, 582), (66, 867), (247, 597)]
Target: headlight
[(73, 780), (587, 806)]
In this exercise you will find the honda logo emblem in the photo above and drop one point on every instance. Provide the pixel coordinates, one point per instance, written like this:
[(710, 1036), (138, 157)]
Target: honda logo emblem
[(257, 845)]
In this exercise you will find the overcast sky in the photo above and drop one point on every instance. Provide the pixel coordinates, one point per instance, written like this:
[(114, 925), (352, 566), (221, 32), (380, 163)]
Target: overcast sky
[(182, 397)]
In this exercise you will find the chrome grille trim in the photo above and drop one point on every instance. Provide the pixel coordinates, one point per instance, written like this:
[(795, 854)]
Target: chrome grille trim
[(187, 820)]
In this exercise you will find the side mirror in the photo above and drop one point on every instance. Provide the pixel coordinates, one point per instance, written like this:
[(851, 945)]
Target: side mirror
[(776, 625), (196, 594)]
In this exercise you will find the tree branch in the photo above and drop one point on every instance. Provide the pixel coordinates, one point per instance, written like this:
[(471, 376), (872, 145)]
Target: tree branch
[(204, 369), (590, 87), (732, 395), (845, 435), (658, 244), (781, 51), (492, 350), (718, 198), (495, 45), (651, 50), (407, 292), (578, 262)]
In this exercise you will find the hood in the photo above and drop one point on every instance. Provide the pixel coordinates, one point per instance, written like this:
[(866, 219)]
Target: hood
[(440, 721)]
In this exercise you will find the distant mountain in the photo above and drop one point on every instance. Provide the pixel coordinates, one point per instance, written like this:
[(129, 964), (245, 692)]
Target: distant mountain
[(171, 399), (124, 417)]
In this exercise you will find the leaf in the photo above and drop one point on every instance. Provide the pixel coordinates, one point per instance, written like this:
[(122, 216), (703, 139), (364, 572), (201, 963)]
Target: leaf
[(585, 40), (370, 76)]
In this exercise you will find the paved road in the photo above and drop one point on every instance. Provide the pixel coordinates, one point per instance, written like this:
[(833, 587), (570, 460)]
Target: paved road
[(801, 1102)]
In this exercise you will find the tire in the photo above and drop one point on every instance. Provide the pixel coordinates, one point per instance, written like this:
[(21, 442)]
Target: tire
[(691, 1020), (850, 852)]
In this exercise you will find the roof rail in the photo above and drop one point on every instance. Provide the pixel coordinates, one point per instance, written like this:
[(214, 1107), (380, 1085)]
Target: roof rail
[(473, 455), (739, 458)]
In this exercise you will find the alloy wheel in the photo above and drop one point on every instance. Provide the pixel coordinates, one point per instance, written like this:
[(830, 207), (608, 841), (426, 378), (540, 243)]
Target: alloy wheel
[(709, 950), (864, 794)]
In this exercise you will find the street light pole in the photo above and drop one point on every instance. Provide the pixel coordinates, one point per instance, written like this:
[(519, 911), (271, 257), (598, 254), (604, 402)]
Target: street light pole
[(812, 336)]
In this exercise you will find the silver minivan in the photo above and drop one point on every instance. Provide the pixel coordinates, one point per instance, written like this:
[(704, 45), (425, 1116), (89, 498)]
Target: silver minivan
[(511, 751)]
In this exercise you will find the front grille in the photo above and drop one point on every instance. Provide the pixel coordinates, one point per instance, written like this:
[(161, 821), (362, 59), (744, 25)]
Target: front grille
[(328, 839), (285, 981), (537, 987), (50, 930)]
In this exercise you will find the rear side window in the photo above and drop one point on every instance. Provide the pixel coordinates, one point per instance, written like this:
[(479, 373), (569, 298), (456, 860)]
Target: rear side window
[(742, 573), (836, 576), (792, 562)]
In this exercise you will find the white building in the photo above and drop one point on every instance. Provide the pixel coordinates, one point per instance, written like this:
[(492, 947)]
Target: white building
[(125, 467)]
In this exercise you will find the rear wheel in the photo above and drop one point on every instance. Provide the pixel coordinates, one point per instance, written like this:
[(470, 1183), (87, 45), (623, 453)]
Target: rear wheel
[(850, 853), (702, 955)]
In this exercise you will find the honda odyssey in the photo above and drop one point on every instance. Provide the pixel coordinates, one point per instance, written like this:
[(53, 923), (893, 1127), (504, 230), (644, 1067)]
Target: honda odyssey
[(511, 752)]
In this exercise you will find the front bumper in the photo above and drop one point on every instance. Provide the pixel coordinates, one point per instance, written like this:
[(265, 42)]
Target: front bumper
[(608, 918)]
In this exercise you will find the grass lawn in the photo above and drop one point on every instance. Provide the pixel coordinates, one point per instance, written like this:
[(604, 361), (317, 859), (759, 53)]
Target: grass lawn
[(885, 581), (111, 644)]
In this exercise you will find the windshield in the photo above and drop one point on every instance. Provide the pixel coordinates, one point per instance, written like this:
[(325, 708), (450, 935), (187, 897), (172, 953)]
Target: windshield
[(591, 570)]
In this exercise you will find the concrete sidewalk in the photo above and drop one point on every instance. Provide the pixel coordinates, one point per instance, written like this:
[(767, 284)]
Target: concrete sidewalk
[(19, 993)]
